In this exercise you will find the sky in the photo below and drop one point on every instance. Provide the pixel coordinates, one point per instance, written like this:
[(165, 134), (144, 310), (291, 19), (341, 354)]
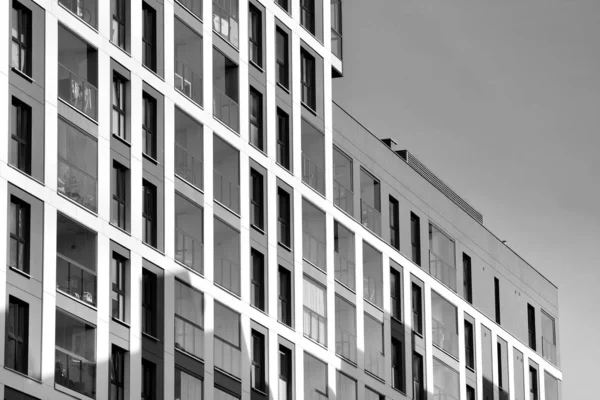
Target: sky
[(501, 99)]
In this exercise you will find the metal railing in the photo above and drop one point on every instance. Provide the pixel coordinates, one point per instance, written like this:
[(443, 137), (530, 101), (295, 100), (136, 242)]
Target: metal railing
[(189, 337), (345, 344), (84, 9), (370, 217), (228, 357), (374, 362), (549, 350), (75, 281), (313, 175), (313, 250), (345, 270), (315, 326), (188, 81), (226, 109), (343, 197), (444, 338), (76, 184), (189, 167), (226, 191), (373, 291), (75, 373), (189, 251), (227, 273), (77, 91), (442, 271), (225, 24), (336, 44)]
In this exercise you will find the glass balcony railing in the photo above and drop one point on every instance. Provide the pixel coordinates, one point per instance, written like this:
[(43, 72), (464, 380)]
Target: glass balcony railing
[(373, 291), (75, 281), (370, 217), (313, 175), (76, 185), (440, 394), (315, 326), (225, 21), (188, 81), (226, 192), (444, 337), (228, 358), (314, 395), (336, 44), (195, 6), (226, 109), (344, 270), (77, 92), (189, 251), (313, 250), (84, 9), (227, 273), (189, 167), (549, 350), (375, 362), (442, 271), (345, 344), (75, 373), (343, 197), (189, 337)]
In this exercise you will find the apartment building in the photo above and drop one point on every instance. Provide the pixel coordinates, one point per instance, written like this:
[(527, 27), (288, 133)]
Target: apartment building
[(189, 215)]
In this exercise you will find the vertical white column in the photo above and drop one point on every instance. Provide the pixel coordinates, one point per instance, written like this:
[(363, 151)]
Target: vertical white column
[(462, 375), (478, 357), (360, 304), (428, 331), (103, 296), (169, 335), (135, 331), (208, 205), (209, 335), (169, 169), (49, 296), (387, 324), (511, 372)]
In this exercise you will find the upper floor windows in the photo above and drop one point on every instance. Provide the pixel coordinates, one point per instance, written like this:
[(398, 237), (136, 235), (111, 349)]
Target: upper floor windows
[(194, 6), (118, 32), (315, 378), (83, 9), (394, 217), (345, 387), (313, 235), (442, 257), (21, 38), (497, 299), (345, 329), (149, 382), (548, 338), (417, 375), (227, 256), (149, 303), (188, 386), (398, 365), (531, 326), (189, 320), (120, 195), (370, 201), (285, 297), (119, 106), (315, 311), (118, 274), (226, 174), (372, 275), (226, 106), (257, 204), (282, 57), (467, 279), (283, 4), (445, 324), (283, 139), (225, 20), (469, 345), (313, 157), (395, 293), (336, 28), (258, 351), (284, 215), (307, 15), (445, 381), (417, 309), (20, 136), (286, 382), (374, 354), (149, 45), (18, 251), (308, 79), (343, 185), (117, 373), (227, 344), (344, 255), (258, 287), (533, 383), (149, 214), (17, 336), (415, 238), (255, 35), (256, 119), (189, 236), (149, 122), (188, 62), (189, 149)]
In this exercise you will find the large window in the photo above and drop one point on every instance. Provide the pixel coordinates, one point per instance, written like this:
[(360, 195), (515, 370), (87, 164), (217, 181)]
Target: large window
[(256, 119), (313, 156), (398, 365), (77, 165), (336, 28), (189, 234), (227, 256), (343, 256), (283, 139), (226, 106), (187, 386), (467, 279), (307, 15), (83, 9), (395, 293), (417, 373), (343, 195), (21, 38), (394, 215), (194, 6), (189, 149), (284, 289), (258, 353), (548, 338), (149, 214), (284, 223), (533, 384), (20, 136), (149, 118), (374, 354), (315, 311), (370, 394), (469, 345), (345, 329), (16, 352), (119, 286), (285, 373), (119, 104), (417, 309), (282, 57), (283, 4), (118, 33), (18, 251), (308, 79), (551, 386), (313, 235), (315, 378), (117, 373), (149, 37), (255, 35), (257, 287), (531, 326), (346, 387), (227, 348), (370, 202), (445, 324), (415, 238), (75, 356), (226, 174), (372, 275), (441, 257), (189, 319), (225, 20), (148, 380), (188, 61), (119, 189), (149, 303), (445, 381), (257, 205)]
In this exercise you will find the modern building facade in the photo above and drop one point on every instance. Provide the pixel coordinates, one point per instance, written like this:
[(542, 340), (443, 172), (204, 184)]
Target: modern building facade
[(189, 215)]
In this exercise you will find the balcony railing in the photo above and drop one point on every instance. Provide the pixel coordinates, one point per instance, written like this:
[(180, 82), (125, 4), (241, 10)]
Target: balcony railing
[(227, 273), (345, 344), (195, 6), (75, 281), (77, 91), (315, 326), (84, 9), (370, 217), (440, 394), (189, 251), (226, 24), (442, 271), (445, 338), (228, 357), (336, 44), (226, 109), (226, 192), (76, 184), (75, 373), (373, 290), (549, 350), (189, 337), (313, 250), (313, 175), (345, 270), (188, 81), (375, 362), (312, 394), (189, 167), (343, 197)]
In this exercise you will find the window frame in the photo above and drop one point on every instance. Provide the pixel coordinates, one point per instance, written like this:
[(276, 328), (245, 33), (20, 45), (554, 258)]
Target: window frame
[(320, 340), (255, 35), (23, 235), (283, 138), (284, 297), (467, 279), (149, 213), (148, 380), (119, 110), (258, 364), (149, 25), (21, 134), (119, 288), (149, 304), (415, 238), (417, 308), (469, 345), (119, 195), (283, 65), (286, 370), (257, 280), (396, 294), (307, 15), (149, 125), (398, 371), (284, 217), (18, 335), (308, 79), (119, 16), (394, 219), (497, 316), (256, 119), (117, 372), (531, 328), (24, 29)]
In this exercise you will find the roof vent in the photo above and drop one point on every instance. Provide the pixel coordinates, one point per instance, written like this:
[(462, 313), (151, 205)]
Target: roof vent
[(389, 142)]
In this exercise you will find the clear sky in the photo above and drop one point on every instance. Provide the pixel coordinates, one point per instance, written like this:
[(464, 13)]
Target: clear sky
[(501, 99)]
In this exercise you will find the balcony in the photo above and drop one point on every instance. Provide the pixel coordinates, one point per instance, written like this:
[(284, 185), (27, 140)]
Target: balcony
[(345, 344), (225, 22), (549, 350), (227, 273), (76, 185), (75, 281), (336, 44), (75, 373), (84, 9), (445, 338), (315, 326), (226, 109), (189, 251), (228, 358), (375, 362), (343, 197), (226, 192), (372, 291), (195, 6), (77, 92), (370, 217), (313, 250), (344, 270), (442, 271), (189, 167), (440, 394), (188, 337), (313, 175), (188, 81)]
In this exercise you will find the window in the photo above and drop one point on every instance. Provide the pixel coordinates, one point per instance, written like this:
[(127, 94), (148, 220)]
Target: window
[(188, 61), (225, 20), (283, 139), (189, 149), (194, 6), (374, 354), (470, 393), (149, 37), (499, 360), (467, 279), (17, 335), (255, 35), (551, 386), (148, 380), (227, 350), (336, 28), (226, 106), (370, 202), (21, 38), (343, 255), (283, 4), (313, 156), (77, 165), (149, 125), (415, 238), (307, 15), (256, 119), (394, 223), (315, 311), (119, 23), (285, 296), (149, 214), (19, 235), (285, 373), (343, 185), (282, 57), (189, 320), (187, 386), (313, 235), (444, 319), (284, 231), (395, 293), (345, 329), (189, 234), (118, 106), (307, 68), (117, 373), (533, 384), (346, 387), (497, 299), (20, 138), (372, 275), (445, 381), (548, 338), (227, 256), (221, 394), (258, 372), (258, 279), (85, 10), (315, 378), (418, 383), (149, 306), (119, 196), (442, 257), (226, 174), (75, 357), (118, 277), (531, 326), (417, 309), (469, 345), (256, 199), (398, 365)]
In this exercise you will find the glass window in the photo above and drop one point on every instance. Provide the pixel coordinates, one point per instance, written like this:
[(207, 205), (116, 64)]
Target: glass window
[(551, 385), (315, 311), (531, 326), (343, 195), (149, 125), (189, 149), (119, 105), (370, 394), (118, 33), (346, 387), (374, 354), (395, 293), (257, 287), (227, 349), (533, 384), (417, 309), (189, 234), (149, 306), (225, 20), (187, 386), (442, 257), (148, 380), (194, 6), (548, 338), (226, 256), (470, 393), (308, 80), (226, 174), (398, 365), (256, 199), (415, 238), (283, 4), (336, 28), (445, 324), (117, 373), (467, 282), (343, 256), (17, 336), (445, 381), (226, 106), (84, 9), (149, 37), (307, 15), (283, 139), (20, 136), (285, 373), (315, 378), (120, 189), (345, 329), (258, 352), (418, 383), (282, 57), (497, 299), (394, 216), (370, 202), (149, 214), (469, 345), (284, 296), (189, 319), (255, 35), (372, 275), (502, 359), (18, 251), (119, 285), (256, 120), (188, 61), (313, 235), (21, 38), (313, 156), (284, 231)]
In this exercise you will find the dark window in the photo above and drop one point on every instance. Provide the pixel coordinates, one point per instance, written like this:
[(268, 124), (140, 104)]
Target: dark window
[(21, 38), (256, 118), (283, 218), (533, 384), (117, 373), (187, 386), (497, 299), (119, 23), (531, 326), (394, 223), (395, 293), (282, 56), (17, 336), (255, 35), (149, 125), (469, 345), (119, 282), (20, 213), (148, 380), (119, 196), (258, 280), (189, 235), (149, 307), (285, 373), (499, 359), (397, 365), (149, 37), (119, 106), (257, 375), (226, 89), (418, 384), (470, 393), (415, 238), (467, 279), (285, 296), (308, 70), (20, 140), (283, 139), (336, 28), (149, 213), (283, 4), (417, 309), (307, 15)]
